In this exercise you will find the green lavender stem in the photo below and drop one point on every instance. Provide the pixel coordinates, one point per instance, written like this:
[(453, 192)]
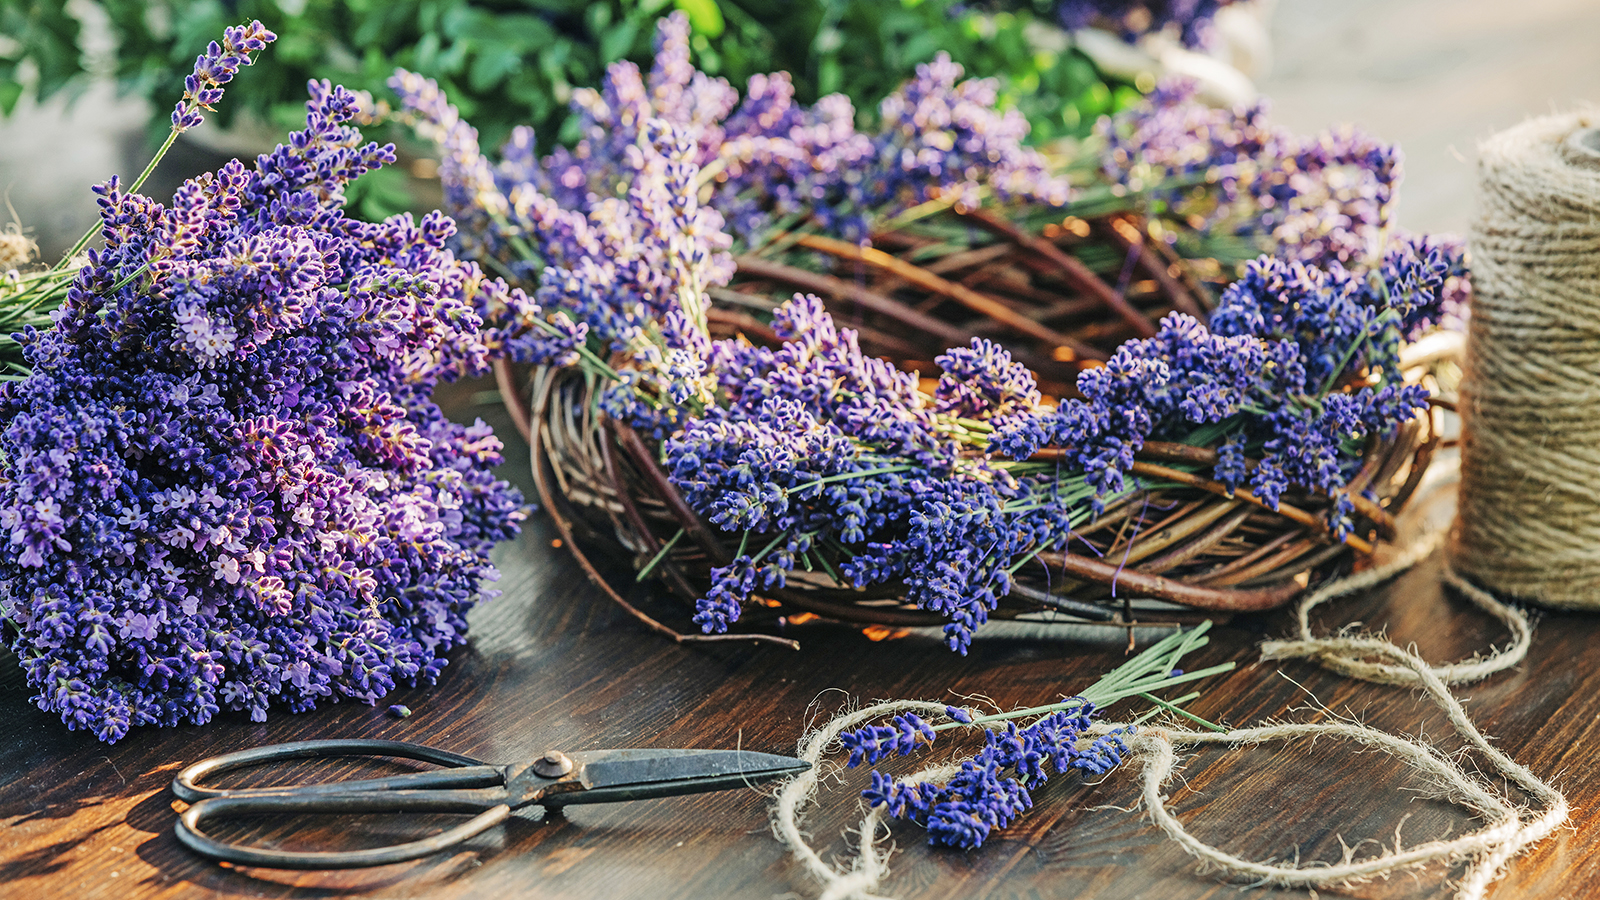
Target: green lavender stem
[(172, 136), (1150, 671)]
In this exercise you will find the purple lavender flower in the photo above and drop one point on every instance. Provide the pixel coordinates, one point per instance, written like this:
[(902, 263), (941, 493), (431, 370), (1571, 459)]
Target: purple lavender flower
[(215, 68), (993, 787), (873, 743), (980, 381), (628, 272), (941, 136), (1229, 174), (1132, 19), (225, 485), (815, 446), (1275, 371), (764, 158)]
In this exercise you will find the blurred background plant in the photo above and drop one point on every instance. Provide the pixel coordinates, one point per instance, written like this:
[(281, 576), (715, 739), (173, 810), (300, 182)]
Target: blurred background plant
[(510, 62), (506, 63)]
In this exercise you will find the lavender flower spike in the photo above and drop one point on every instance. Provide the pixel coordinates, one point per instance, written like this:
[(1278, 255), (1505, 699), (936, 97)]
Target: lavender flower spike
[(215, 68)]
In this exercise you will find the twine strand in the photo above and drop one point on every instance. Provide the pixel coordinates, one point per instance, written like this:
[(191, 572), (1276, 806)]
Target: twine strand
[(1509, 827), (1348, 656), (871, 863)]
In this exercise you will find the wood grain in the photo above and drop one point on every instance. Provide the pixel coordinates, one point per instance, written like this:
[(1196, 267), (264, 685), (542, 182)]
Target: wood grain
[(551, 664)]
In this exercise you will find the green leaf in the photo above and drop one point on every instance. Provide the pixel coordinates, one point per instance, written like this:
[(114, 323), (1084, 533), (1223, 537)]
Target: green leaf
[(491, 66), (617, 41), (527, 32), (705, 17), (10, 93), (379, 194)]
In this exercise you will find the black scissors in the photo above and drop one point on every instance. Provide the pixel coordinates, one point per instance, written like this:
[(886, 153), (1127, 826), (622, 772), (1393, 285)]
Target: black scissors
[(464, 786)]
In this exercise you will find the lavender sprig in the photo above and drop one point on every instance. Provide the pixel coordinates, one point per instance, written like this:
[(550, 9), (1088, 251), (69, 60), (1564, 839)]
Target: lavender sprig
[(994, 785), (1262, 379), (215, 68), (202, 90)]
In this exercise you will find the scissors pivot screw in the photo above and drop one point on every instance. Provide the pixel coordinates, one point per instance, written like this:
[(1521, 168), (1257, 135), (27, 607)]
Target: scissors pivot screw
[(553, 764)]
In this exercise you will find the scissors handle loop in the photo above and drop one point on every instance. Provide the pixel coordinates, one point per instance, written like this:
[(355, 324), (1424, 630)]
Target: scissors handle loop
[(186, 788), (413, 792), (190, 833)]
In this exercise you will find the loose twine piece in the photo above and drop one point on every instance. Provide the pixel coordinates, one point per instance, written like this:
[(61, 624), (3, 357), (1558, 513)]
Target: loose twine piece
[(1530, 523), (1509, 827), (1349, 656)]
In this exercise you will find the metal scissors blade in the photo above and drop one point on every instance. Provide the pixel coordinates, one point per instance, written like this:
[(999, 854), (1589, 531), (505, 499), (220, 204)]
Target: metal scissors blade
[(466, 785), (609, 776)]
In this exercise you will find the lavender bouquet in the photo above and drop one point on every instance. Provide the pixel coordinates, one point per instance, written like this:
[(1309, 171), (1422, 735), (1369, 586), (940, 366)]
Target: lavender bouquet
[(1219, 177), (223, 480)]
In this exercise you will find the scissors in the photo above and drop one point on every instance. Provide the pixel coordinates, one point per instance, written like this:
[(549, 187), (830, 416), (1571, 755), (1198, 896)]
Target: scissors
[(465, 785)]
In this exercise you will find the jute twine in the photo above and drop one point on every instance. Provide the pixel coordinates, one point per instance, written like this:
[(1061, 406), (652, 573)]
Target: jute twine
[(1509, 826), (1347, 655), (1529, 523)]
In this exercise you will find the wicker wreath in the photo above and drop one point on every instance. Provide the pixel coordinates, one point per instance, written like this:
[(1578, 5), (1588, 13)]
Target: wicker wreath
[(1195, 548)]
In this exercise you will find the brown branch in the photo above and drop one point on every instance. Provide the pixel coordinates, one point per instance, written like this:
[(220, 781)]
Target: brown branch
[(962, 294), (673, 575), (1284, 556), (1292, 513), (511, 396), (1184, 453), (966, 259), (1419, 467), (1166, 534), (1185, 274), (850, 612), (1118, 231), (744, 323), (553, 508), (1296, 566), (880, 341), (1180, 555), (1247, 559), (1076, 273), (687, 518), (948, 335), (1160, 588), (1205, 456)]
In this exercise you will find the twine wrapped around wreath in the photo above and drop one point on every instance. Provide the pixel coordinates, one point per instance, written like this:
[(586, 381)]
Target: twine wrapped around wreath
[(1196, 545)]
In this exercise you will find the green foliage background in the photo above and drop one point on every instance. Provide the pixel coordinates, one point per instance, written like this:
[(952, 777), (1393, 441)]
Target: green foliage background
[(513, 61)]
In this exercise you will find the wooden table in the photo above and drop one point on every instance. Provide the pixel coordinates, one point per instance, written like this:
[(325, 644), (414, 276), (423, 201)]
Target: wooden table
[(552, 664)]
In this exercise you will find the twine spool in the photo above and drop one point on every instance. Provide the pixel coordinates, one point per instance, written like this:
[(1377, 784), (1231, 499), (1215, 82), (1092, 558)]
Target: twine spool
[(1529, 521)]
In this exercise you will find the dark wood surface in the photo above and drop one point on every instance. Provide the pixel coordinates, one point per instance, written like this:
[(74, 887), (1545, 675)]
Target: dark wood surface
[(552, 664)]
